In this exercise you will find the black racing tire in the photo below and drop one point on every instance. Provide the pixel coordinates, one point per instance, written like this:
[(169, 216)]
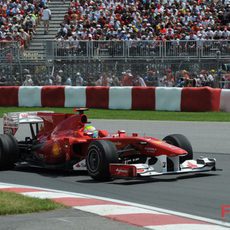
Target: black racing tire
[(100, 154), (9, 151), (180, 141), (14, 149)]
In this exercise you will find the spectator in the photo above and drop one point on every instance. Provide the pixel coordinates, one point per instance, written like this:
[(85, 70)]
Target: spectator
[(25, 37), (103, 80), (98, 82), (115, 81), (170, 80), (28, 81), (48, 80), (62, 31), (151, 78), (58, 78), (79, 80), (210, 78), (127, 79), (180, 82), (68, 81), (46, 17), (74, 44), (138, 81)]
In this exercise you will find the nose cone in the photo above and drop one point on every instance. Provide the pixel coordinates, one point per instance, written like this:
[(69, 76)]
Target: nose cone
[(164, 148)]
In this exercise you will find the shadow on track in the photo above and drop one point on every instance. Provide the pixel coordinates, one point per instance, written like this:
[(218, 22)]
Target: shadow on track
[(56, 173), (53, 173), (150, 180), (163, 179)]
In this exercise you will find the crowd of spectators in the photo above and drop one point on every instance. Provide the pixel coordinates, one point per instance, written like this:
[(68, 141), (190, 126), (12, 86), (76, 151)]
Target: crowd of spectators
[(18, 20), (146, 20), (152, 77), (121, 20)]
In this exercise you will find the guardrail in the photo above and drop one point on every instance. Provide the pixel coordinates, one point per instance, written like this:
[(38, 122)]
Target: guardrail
[(174, 49), (123, 50)]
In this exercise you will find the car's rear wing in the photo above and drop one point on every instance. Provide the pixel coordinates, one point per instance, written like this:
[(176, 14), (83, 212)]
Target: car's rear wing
[(12, 120)]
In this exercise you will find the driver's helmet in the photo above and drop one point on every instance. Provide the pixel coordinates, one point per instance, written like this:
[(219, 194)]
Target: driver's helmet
[(91, 131)]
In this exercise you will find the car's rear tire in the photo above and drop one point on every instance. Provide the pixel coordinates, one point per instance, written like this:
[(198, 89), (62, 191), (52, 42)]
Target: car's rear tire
[(9, 151), (180, 141), (100, 154)]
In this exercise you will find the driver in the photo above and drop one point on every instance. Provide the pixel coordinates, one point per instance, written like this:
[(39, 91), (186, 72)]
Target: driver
[(91, 131)]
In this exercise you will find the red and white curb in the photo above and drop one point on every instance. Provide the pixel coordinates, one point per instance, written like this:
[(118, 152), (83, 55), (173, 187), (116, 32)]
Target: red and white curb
[(130, 213)]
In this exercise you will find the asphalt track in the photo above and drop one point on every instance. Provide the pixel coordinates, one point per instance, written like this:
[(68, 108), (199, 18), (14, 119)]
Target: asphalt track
[(201, 195)]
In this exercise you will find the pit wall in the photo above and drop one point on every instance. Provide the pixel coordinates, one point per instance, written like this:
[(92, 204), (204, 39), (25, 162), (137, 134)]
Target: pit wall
[(142, 98)]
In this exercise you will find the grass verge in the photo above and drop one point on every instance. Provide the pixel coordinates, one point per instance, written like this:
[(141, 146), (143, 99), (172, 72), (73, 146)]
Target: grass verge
[(134, 114), (13, 203)]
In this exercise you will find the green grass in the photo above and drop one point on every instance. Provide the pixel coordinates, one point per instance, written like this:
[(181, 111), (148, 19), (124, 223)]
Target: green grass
[(134, 114), (157, 115), (13, 203)]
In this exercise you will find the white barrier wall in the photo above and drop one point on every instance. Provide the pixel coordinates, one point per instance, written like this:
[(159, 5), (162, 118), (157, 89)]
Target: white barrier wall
[(188, 99), (168, 99), (225, 100), (30, 96), (120, 98), (75, 96)]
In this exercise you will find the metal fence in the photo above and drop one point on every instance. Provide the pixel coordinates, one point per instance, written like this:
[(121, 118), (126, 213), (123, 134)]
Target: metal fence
[(120, 50), (9, 52), (131, 50), (93, 58)]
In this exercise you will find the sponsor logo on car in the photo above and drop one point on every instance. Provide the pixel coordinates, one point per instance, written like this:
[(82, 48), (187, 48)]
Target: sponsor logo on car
[(56, 149), (120, 171), (150, 149), (191, 165), (23, 115)]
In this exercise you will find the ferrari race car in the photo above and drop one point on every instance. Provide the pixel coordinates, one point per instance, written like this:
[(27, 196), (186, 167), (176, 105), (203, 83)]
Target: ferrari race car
[(58, 140)]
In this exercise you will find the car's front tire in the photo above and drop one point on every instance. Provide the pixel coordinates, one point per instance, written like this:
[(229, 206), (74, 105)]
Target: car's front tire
[(100, 154), (182, 142)]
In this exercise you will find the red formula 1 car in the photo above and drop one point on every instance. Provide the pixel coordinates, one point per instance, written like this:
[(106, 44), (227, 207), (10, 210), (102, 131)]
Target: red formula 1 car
[(58, 140)]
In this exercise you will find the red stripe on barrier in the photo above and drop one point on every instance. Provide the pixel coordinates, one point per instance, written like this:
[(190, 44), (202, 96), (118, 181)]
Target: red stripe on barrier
[(143, 98), (200, 99), (97, 97), (216, 99), (9, 95), (53, 96)]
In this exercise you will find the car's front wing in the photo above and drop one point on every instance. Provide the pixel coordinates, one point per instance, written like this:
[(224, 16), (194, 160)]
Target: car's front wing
[(145, 170)]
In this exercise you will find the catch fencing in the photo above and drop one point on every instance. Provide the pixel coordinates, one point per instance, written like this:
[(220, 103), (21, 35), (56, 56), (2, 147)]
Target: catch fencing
[(92, 58)]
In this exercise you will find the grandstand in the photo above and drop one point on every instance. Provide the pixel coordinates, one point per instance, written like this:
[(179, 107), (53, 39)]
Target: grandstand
[(57, 10), (89, 35)]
